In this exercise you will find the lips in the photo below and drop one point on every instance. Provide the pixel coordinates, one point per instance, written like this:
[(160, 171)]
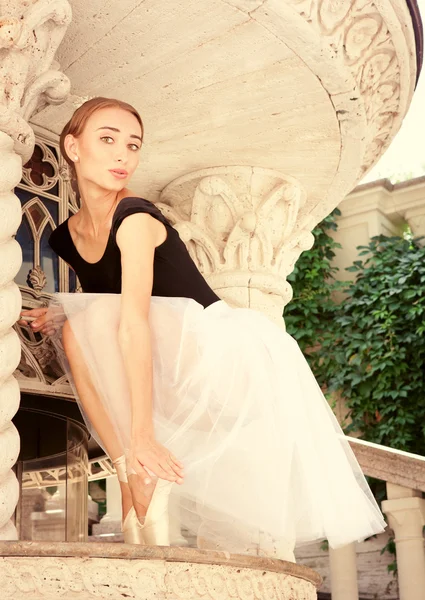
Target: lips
[(119, 173)]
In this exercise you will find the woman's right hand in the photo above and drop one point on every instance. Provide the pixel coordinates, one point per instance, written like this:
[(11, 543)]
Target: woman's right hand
[(40, 322), (147, 453)]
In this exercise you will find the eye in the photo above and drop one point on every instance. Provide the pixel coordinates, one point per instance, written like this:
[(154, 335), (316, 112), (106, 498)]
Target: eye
[(107, 137), (134, 147)]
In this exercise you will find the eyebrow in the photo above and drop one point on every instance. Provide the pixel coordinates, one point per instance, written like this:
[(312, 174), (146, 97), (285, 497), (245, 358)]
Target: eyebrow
[(118, 131)]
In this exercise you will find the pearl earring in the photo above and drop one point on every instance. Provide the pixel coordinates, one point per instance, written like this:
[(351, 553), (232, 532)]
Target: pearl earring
[(76, 158)]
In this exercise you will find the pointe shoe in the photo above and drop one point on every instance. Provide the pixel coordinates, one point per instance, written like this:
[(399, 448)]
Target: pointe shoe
[(131, 528), (155, 529), (156, 526)]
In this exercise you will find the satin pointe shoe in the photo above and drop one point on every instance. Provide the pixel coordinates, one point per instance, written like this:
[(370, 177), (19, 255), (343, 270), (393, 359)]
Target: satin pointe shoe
[(131, 527), (156, 526)]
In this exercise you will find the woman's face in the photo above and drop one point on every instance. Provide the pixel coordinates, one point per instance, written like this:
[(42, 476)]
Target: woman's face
[(108, 149)]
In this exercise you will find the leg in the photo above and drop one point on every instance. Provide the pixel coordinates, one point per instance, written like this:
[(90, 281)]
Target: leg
[(99, 324), (93, 405)]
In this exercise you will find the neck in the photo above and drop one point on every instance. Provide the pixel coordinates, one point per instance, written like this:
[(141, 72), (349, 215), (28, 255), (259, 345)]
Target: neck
[(97, 206)]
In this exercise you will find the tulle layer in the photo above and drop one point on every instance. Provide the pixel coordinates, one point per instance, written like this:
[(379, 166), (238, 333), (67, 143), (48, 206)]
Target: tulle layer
[(266, 461)]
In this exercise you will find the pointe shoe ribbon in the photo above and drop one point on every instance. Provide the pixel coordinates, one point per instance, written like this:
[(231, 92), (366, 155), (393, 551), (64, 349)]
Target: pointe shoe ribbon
[(131, 527), (120, 468)]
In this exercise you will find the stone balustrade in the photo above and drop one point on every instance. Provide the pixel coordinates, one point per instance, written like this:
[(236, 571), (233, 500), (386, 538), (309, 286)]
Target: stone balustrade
[(45, 571), (405, 509)]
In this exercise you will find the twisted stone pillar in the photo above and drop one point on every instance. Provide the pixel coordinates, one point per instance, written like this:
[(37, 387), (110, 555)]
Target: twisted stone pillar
[(29, 36), (10, 349)]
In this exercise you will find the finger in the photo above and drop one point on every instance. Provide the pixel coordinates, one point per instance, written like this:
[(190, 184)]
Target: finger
[(165, 464), (179, 477), (157, 469), (40, 323), (48, 331), (141, 472), (174, 476), (177, 470), (35, 312), (163, 473), (171, 476), (176, 462)]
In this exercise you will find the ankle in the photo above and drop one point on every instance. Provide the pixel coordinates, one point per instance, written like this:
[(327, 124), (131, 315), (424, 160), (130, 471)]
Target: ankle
[(126, 499)]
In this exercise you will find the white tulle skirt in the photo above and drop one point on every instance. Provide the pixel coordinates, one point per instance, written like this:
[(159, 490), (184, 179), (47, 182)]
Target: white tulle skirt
[(266, 461)]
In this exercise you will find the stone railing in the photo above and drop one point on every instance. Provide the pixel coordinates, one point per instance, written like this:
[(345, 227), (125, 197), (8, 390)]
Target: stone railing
[(47, 570), (404, 474)]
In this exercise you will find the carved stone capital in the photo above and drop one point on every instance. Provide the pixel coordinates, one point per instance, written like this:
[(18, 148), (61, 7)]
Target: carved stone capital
[(241, 226), (30, 34), (406, 517)]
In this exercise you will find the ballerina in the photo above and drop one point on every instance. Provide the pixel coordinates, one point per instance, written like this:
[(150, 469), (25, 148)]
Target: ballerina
[(209, 413)]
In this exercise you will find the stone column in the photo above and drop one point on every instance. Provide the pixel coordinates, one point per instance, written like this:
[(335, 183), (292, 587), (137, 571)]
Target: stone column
[(405, 509), (242, 228), (30, 33), (343, 572)]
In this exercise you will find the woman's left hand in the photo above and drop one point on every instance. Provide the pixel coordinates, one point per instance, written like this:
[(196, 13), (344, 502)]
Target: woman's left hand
[(147, 453), (41, 323)]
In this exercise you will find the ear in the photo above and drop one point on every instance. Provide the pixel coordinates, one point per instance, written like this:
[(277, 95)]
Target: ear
[(71, 146)]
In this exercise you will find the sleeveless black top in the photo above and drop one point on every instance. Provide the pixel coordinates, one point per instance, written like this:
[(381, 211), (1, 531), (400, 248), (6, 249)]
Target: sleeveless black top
[(175, 273)]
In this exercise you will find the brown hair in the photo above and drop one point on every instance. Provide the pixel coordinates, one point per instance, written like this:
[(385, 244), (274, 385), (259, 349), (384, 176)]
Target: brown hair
[(76, 124)]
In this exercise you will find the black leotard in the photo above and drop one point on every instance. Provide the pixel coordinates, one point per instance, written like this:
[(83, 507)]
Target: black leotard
[(175, 273)]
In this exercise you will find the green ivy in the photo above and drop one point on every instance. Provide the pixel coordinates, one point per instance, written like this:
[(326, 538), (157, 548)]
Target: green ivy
[(374, 350), (313, 283), (371, 346)]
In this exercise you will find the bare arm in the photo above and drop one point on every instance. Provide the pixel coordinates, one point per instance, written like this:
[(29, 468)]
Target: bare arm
[(137, 238)]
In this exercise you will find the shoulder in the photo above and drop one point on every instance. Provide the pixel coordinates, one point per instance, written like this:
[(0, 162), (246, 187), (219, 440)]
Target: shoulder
[(133, 205), (59, 236)]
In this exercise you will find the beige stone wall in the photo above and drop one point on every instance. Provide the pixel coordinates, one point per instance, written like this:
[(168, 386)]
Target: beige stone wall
[(377, 208)]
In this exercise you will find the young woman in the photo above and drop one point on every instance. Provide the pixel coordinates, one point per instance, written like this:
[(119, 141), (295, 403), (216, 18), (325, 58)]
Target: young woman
[(208, 412)]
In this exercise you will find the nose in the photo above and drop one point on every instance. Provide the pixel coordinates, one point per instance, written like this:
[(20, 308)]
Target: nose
[(121, 154)]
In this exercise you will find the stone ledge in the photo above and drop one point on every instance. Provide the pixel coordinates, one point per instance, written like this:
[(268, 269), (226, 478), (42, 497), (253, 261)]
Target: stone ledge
[(82, 571)]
